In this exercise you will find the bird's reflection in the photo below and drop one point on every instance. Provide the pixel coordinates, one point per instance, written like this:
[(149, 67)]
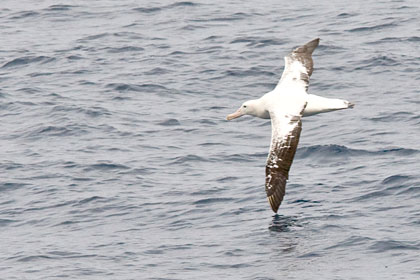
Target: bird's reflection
[(285, 242), (282, 223)]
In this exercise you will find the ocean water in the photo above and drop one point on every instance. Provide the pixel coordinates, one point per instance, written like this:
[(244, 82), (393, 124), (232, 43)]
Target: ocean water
[(116, 161)]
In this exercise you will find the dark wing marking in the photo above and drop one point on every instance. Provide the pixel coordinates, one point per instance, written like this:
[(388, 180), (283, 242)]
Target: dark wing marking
[(299, 65), (284, 142)]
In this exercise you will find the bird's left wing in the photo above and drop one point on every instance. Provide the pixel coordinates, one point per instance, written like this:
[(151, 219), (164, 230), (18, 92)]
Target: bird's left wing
[(284, 141), (299, 66)]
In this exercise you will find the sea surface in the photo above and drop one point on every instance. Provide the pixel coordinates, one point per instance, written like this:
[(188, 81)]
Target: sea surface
[(116, 161)]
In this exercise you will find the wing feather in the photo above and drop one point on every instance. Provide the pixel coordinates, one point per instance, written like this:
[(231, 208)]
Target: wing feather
[(299, 65), (284, 142)]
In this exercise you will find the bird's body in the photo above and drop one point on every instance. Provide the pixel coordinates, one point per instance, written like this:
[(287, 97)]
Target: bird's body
[(315, 105), (285, 106)]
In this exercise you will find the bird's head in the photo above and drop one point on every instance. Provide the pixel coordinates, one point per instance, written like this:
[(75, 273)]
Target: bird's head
[(247, 108)]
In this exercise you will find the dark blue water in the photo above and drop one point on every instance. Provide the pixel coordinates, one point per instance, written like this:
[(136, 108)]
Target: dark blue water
[(116, 161)]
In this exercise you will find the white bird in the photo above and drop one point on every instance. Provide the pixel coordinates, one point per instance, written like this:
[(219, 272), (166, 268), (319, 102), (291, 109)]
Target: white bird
[(285, 106)]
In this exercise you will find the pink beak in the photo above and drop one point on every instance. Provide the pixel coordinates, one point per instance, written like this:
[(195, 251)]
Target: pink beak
[(235, 115)]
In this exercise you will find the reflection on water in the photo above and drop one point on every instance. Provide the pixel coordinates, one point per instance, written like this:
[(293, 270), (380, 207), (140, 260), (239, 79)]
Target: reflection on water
[(283, 235), (282, 223)]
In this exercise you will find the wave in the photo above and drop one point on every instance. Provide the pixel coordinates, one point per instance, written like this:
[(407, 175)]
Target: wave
[(169, 122), (212, 200), (395, 40), (391, 186), (54, 255), (401, 185), (413, 39), (11, 186), (125, 49), (33, 258), (187, 159), (326, 151), (258, 41), (345, 15), (8, 165), (150, 10), (156, 71), (90, 199), (382, 61), (22, 61), (233, 17), (373, 27), (351, 242), (93, 112), (105, 166), (392, 116), (24, 14), (5, 222), (182, 4), (254, 71), (57, 131), (59, 7), (122, 87), (239, 157), (392, 245), (94, 37), (191, 27), (395, 179)]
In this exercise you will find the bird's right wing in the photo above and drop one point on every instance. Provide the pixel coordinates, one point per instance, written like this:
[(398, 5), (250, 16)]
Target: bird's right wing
[(284, 141)]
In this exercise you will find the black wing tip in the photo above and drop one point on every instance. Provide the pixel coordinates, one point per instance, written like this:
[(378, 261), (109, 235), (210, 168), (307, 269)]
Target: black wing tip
[(275, 201), (308, 48), (275, 207), (311, 45)]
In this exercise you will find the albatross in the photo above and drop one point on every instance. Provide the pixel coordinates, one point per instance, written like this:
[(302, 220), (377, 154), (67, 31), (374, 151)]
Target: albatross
[(285, 106)]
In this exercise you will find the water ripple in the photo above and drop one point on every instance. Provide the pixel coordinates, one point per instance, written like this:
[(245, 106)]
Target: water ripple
[(392, 245), (123, 87), (373, 27), (331, 151), (22, 61), (149, 10)]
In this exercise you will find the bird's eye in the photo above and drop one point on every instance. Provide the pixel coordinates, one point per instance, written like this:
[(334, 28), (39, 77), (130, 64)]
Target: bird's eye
[(244, 106)]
